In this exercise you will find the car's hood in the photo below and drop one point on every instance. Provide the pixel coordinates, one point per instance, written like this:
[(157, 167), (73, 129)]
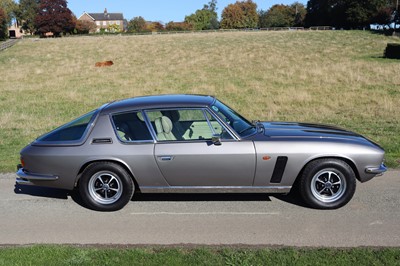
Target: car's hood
[(291, 130), (288, 129)]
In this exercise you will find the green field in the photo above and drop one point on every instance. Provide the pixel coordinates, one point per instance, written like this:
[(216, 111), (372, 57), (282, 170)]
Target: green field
[(68, 255), (334, 77)]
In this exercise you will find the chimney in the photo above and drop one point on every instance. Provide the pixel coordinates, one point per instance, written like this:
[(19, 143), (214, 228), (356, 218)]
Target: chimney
[(105, 11)]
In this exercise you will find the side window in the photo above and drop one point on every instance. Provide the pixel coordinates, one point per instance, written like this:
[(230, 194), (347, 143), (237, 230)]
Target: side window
[(131, 127), (181, 124)]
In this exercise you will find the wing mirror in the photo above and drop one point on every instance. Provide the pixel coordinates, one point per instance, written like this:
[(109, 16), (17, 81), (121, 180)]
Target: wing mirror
[(216, 139)]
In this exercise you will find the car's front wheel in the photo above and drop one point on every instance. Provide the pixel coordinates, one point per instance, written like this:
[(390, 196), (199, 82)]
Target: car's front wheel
[(105, 186), (327, 184)]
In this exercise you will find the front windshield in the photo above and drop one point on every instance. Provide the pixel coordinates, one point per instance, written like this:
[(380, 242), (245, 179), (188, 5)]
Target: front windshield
[(240, 124)]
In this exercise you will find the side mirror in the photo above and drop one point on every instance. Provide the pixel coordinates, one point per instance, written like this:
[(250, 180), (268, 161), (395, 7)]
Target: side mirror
[(216, 139)]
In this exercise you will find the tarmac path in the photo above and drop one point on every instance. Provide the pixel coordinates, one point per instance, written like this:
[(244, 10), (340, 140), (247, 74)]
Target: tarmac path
[(40, 215)]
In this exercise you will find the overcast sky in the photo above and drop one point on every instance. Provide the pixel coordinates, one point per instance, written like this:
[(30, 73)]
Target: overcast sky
[(158, 10)]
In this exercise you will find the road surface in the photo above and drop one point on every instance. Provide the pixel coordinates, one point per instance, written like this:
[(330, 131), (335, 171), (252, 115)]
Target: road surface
[(37, 215)]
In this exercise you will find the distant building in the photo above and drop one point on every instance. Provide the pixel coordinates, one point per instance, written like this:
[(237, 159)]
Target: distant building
[(15, 31), (105, 20)]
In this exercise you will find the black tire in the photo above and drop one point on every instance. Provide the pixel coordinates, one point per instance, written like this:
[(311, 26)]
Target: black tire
[(105, 186), (327, 184)]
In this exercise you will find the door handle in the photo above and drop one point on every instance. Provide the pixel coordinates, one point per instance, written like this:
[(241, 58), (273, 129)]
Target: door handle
[(166, 158)]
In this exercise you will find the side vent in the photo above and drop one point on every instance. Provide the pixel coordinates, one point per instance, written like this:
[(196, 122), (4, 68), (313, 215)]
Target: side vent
[(279, 169), (102, 141)]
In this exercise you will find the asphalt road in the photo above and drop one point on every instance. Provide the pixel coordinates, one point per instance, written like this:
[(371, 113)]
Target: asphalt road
[(37, 215)]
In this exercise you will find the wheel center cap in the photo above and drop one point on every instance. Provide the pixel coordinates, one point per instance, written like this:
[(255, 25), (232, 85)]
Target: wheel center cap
[(328, 185), (106, 187)]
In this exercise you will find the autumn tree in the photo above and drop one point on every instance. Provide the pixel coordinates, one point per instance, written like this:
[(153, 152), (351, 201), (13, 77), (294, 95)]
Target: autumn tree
[(9, 7), (240, 15), (54, 16), (85, 26), (26, 13), (178, 26), (137, 24), (154, 26), (3, 24)]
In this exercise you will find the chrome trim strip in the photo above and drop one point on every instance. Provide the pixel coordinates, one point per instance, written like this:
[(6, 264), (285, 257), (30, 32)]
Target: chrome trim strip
[(216, 189), (35, 177), (376, 170)]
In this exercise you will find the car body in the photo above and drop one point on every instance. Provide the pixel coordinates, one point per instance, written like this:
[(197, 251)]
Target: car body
[(196, 144)]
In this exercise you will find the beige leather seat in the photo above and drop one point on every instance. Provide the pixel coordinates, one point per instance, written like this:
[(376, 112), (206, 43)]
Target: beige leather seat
[(164, 128)]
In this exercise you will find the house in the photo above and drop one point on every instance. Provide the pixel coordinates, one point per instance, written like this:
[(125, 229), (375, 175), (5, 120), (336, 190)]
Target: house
[(15, 31), (106, 21)]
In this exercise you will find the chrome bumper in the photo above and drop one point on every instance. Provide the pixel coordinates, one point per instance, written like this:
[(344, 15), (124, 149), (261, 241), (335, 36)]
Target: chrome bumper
[(376, 170), (25, 178)]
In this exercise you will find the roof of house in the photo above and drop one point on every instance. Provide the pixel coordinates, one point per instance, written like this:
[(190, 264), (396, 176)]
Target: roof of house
[(106, 16)]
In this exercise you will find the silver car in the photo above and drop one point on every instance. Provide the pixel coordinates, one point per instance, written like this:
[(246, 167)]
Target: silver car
[(196, 144)]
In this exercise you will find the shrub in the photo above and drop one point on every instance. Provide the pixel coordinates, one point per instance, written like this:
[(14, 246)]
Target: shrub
[(392, 50)]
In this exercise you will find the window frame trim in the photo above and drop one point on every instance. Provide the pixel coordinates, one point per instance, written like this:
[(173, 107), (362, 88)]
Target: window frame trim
[(203, 109)]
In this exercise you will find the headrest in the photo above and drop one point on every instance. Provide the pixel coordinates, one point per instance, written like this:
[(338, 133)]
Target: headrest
[(166, 124)]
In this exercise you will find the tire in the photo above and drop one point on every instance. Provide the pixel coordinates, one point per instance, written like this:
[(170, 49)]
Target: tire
[(327, 184), (105, 186)]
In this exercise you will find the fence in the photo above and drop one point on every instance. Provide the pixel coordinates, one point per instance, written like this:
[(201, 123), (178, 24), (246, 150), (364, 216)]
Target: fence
[(7, 44)]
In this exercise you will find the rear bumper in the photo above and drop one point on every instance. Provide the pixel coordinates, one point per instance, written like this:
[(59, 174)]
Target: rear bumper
[(26, 178)]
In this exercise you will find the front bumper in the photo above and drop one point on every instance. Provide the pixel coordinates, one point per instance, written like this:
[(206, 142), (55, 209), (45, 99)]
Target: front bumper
[(26, 178), (376, 170)]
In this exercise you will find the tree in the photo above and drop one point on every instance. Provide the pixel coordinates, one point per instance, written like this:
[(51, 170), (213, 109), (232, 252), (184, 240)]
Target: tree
[(348, 14), (240, 15), (137, 24), (203, 19), (54, 16), (85, 26), (3, 24), (277, 16), (178, 26), (26, 13), (154, 26), (212, 5), (283, 16), (9, 8), (300, 12)]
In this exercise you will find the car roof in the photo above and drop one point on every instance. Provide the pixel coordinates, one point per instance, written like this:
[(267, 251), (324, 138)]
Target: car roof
[(158, 101)]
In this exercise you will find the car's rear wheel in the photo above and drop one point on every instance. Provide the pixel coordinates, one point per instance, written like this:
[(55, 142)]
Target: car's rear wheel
[(105, 186), (327, 184)]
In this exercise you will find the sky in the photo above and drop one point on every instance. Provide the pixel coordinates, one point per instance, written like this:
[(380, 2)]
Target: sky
[(159, 10)]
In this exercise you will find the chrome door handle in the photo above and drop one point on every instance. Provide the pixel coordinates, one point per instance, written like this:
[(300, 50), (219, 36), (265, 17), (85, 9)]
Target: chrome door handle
[(165, 158)]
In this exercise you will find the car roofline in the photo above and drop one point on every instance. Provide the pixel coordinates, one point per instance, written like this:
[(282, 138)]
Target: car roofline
[(158, 101)]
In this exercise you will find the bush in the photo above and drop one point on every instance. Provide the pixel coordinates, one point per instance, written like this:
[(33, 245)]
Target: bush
[(392, 50)]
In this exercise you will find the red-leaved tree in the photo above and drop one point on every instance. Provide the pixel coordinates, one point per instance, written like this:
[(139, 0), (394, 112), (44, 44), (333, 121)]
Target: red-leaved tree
[(3, 24), (54, 16)]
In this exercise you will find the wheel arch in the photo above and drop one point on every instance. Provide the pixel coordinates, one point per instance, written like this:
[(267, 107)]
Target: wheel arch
[(346, 160), (118, 162)]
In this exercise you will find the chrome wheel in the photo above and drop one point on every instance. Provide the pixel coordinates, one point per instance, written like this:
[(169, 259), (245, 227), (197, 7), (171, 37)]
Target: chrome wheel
[(328, 185), (105, 187)]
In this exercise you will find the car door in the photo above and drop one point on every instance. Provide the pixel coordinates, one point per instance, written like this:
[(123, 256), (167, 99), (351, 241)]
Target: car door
[(186, 155)]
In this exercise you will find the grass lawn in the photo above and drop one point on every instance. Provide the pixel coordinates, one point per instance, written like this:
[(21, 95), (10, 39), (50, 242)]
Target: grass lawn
[(68, 255), (334, 77)]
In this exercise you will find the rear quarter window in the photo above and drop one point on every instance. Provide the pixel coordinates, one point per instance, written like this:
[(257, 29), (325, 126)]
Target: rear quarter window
[(72, 131)]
